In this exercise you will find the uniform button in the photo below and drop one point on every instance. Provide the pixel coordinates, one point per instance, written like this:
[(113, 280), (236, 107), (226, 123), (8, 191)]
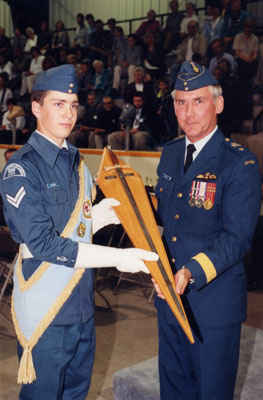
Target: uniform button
[(174, 238), (173, 260), (177, 216), (179, 195)]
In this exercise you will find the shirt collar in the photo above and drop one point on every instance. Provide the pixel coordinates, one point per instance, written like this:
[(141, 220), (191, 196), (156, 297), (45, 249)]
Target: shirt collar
[(47, 148), (200, 143)]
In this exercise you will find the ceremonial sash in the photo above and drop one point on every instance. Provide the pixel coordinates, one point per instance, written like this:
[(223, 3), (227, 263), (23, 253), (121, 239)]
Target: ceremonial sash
[(37, 301)]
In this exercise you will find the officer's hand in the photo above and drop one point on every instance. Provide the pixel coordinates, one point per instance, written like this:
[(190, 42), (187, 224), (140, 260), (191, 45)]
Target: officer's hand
[(182, 278)]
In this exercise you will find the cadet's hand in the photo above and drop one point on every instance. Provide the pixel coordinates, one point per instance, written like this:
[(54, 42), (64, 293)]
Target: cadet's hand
[(158, 290), (182, 278)]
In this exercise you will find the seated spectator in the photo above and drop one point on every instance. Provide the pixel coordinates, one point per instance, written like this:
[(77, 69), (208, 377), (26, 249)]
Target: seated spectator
[(152, 25), (246, 47), (44, 38), (128, 58), (87, 124), (233, 22), (6, 66), (61, 56), (194, 43), (100, 81), (111, 23), (190, 16), (165, 125), (12, 123), (212, 28), (60, 37), (18, 40), (91, 27), (231, 118), (21, 64), (137, 136), (153, 56), (28, 77), (5, 94), (48, 62), (85, 73), (5, 45), (31, 40), (81, 33), (107, 122), (172, 29), (217, 48), (139, 85), (100, 44)]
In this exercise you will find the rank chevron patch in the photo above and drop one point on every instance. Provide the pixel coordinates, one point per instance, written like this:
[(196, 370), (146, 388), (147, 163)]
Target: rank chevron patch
[(15, 201)]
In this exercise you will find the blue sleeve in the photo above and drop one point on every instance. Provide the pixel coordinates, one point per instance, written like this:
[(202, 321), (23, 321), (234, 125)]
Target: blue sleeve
[(27, 216)]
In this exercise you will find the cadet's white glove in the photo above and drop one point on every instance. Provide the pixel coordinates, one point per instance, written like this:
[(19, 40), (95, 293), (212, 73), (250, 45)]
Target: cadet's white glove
[(103, 214), (125, 260)]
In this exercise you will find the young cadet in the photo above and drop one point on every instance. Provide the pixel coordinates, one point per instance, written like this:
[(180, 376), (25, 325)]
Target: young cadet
[(47, 195), (208, 201)]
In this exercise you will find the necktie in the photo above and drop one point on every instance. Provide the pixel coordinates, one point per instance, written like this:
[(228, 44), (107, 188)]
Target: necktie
[(189, 156)]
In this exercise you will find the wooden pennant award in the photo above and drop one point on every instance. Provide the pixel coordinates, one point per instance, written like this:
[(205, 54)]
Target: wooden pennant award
[(118, 180)]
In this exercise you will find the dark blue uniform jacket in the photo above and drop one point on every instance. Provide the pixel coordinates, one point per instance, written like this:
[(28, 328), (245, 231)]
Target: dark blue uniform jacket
[(210, 238), (39, 194)]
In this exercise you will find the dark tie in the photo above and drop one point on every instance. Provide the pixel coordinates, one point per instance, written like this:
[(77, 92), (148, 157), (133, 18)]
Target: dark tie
[(189, 156)]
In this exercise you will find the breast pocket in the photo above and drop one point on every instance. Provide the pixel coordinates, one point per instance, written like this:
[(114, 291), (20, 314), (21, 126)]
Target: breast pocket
[(55, 196)]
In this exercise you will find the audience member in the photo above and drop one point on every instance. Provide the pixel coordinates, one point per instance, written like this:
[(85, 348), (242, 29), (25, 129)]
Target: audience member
[(91, 27), (99, 44), (137, 136), (246, 47), (213, 27), (190, 16), (151, 25), (12, 123), (129, 58), (5, 45), (86, 124), (100, 81), (31, 40), (172, 28), (18, 40), (233, 22), (28, 77), (5, 94), (81, 34), (60, 37), (139, 85), (153, 56), (107, 122), (217, 48), (84, 73), (6, 66), (194, 43), (44, 37)]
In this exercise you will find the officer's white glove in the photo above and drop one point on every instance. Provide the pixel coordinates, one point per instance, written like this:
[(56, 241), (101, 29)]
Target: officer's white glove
[(103, 214), (125, 260)]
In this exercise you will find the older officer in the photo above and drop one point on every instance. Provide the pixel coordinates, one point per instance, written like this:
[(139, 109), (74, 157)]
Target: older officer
[(47, 194), (208, 201)]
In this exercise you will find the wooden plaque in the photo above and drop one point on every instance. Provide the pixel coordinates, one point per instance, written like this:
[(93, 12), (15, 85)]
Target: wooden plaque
[(118, 180)]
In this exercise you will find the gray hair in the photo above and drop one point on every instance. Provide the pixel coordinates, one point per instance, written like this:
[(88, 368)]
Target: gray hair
[(216, 91)]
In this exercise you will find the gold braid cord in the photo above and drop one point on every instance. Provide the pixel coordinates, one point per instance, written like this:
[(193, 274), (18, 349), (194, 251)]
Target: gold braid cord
[(26, 371), (135, 212)]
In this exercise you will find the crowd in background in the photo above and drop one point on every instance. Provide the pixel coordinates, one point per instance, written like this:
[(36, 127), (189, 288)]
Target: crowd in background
[(125, 81)]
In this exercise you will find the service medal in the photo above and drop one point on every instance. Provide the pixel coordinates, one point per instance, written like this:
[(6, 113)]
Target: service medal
[(81, 230), (208, 204), (87, 206)]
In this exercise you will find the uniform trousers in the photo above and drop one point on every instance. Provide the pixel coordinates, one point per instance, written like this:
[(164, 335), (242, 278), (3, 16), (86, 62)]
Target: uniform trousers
[(63, 360), (205, 370)]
